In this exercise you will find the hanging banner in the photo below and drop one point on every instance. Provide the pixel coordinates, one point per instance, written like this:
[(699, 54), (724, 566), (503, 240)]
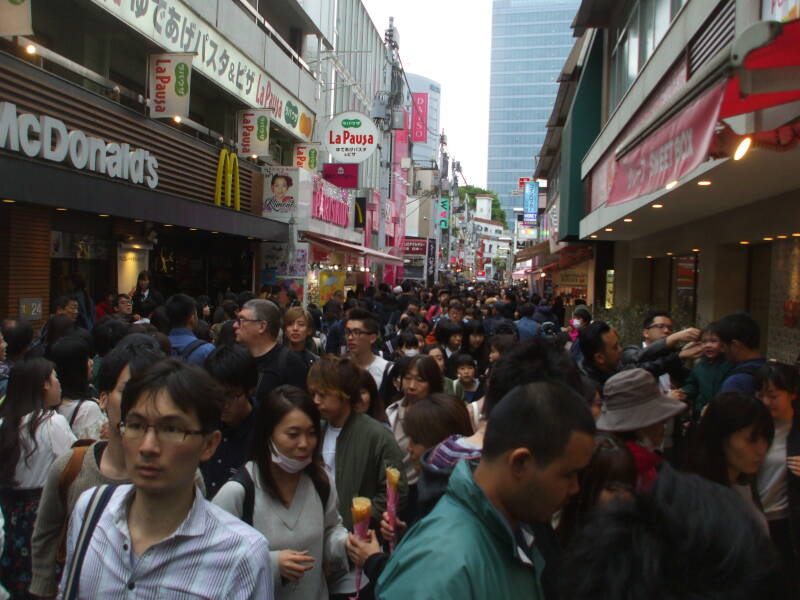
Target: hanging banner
[(170, 80), (415, 246), (360, 215), (419, 118), (351, 137), (253, 131), (341, 175), (430, 265), (670, 152), (15, 17), (530, 203), (306, 156), (444, 213)]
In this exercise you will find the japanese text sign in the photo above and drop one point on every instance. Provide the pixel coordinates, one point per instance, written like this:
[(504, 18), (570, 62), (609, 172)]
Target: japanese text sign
[(253, 131), (170, 80), (351, 137)]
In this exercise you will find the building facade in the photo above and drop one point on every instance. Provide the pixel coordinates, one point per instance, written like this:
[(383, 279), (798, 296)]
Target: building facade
[(426, 97), (530, 40)]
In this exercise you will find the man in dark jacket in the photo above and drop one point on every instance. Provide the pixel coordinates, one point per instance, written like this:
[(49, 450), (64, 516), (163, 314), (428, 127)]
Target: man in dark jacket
[(740, 336)]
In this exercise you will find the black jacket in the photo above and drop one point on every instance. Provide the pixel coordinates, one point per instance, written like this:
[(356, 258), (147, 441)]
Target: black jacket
[(656, 358)]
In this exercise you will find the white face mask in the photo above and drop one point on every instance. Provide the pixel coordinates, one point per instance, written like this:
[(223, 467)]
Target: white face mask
[(410, 353), (290, 465)]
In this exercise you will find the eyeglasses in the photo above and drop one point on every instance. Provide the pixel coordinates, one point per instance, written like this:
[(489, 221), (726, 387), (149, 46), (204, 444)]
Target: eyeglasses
[(240, 320), (173, 434), (356, 332)]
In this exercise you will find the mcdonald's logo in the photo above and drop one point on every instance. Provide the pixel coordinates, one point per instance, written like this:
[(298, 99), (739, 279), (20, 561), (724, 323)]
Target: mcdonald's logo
[(361, 213), (227, 187)]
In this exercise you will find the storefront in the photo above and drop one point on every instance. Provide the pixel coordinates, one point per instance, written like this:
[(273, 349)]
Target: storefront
[(93, 189)]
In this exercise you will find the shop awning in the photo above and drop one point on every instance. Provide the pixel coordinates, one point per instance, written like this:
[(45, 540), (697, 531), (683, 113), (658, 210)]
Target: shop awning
[(339, 246), (531, 251), (761, 72)]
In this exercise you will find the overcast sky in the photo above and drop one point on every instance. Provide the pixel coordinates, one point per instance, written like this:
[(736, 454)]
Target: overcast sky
[(449, 41)]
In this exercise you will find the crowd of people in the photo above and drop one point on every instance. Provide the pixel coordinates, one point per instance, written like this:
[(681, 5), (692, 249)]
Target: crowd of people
[(470, 441)]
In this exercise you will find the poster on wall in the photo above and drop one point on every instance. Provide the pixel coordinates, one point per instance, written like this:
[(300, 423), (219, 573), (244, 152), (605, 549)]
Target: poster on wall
[(293, 284), (65, 244), (280, 193), (329, 283)]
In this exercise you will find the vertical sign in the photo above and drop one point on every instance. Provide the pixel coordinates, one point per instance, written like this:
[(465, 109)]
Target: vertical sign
[(430, 264), (360, 220), (444, 213), (253, 131), (522, 182), (15, 17), (170, 79), (306, 156), (419, 120), (530, 203)]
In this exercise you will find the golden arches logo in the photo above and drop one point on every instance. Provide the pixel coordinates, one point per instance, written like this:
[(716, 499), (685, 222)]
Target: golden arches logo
[(228, 180)]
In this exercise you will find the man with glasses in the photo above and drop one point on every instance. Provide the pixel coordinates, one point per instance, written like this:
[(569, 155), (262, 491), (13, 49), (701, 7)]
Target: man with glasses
[(123, 308), (159, 537), (257, 328), (234, 370), (361, 333)]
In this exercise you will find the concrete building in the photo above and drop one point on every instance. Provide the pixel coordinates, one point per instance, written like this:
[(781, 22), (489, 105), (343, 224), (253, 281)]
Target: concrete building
[(530, 40)]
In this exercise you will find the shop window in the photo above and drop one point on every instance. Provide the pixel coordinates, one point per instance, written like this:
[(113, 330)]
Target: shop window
[(609, 300), (683, 300)]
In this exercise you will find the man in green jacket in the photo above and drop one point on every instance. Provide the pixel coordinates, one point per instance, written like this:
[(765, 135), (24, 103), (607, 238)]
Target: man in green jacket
[(476, 543)]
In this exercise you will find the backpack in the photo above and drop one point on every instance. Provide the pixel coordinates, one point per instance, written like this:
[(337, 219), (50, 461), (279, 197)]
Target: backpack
[(188, 350), (242, 477)]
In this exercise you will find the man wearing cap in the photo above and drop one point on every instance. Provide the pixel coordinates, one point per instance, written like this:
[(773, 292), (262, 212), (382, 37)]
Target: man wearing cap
[(635, 409)]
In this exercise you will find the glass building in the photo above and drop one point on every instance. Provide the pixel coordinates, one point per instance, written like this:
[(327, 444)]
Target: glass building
[(530, 42)]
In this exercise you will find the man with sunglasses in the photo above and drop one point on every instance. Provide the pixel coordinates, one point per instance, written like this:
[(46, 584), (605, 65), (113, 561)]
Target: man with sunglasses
[(257, 328), (159, 537)]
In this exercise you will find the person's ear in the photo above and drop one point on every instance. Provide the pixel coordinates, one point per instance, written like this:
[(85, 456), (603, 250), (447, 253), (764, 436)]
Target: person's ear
[(373, 337), (599, 358), (102, 400), (519, 461), (210, 443)]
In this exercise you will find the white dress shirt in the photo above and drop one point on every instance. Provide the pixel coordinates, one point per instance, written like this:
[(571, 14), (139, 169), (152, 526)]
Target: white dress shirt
[(211, 555)]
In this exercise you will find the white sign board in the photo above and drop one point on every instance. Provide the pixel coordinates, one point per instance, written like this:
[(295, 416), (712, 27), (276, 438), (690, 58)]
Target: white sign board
[(177, 28), (15, 17), (170, 80), (351, 137), (253, 131)]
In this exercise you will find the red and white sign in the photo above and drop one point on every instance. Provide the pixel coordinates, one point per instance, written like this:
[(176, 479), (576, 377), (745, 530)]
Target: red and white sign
[(523, 181), (351, 137), (415, 246), (330, 203), (341, 175), (672, 151), (419, 117)]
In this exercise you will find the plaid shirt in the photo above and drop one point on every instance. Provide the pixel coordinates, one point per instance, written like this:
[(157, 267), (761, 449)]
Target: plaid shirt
[(211, 555)]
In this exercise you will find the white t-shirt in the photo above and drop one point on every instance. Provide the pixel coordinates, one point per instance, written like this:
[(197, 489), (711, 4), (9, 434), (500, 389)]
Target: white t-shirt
[(772, 476), (53, 438), (377, 369), (89, 420), (329, 450)]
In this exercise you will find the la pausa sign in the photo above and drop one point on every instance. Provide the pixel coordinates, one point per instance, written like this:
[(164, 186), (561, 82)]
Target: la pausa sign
[(330, 203), (351, 137), (48, 138)]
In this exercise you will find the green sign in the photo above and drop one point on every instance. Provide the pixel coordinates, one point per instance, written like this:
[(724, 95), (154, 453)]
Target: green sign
[(351, 123), (262, 128), (181, 79), (291, 114), (444, 213), (312, 159)]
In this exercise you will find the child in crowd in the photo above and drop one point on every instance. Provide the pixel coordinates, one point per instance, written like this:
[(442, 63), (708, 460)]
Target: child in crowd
[(466, 368), (706, 377)]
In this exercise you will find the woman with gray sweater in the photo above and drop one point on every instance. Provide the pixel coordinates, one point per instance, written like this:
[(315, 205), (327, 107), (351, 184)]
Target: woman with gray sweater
[(285, 493)]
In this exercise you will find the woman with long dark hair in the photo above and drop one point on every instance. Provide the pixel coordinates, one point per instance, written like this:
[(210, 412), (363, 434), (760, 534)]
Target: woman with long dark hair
[(731, 443), (73, 363), (32, 436), (295, 504)]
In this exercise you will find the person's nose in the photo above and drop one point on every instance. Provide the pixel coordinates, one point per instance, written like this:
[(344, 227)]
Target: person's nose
[(150, 444)]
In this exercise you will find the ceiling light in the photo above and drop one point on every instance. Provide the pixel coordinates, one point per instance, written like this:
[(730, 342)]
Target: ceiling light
[(742, 148), (215, 232), (61, 209), (9, 201), (671, 184), (658, 206), (104, 215), (254, 156), (628, 220), (796, 235), (744, 242), (543, 275), (138, 221), (669, 253), (177, 118), (250, 237), (704, 182), (767, 239), (609, 229), (695, 249), (648, 256), (782, 237), (593, 236), (192, 228), (30, 49)]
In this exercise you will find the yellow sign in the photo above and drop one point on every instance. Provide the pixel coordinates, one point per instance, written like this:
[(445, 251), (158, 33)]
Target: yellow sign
[(227, 180)]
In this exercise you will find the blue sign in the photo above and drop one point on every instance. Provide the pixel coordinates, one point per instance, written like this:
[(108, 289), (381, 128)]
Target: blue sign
[(530, 203)]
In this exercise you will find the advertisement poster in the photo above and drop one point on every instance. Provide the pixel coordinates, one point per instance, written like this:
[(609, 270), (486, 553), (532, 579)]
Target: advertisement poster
[(351, 137), (296, 285), (280, 193), (170, 79), (329, 283)]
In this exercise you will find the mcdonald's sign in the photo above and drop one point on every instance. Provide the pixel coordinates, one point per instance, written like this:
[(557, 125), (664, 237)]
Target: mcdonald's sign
[(227, 187)]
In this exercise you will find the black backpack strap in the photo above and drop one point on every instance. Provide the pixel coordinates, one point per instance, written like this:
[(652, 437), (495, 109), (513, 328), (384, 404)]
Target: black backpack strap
[(242, 476), (189, 349), (75, 413), (97, 504)]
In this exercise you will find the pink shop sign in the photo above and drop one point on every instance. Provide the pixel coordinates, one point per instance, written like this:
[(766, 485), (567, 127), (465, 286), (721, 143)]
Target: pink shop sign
[(330, 203)]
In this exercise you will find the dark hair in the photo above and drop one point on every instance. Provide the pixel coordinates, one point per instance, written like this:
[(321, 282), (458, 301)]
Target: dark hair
[(137, 351), (455, 305), (159, 319), (472, 328), (445, 329), (465, 360), (232, 367), (229, 308), (527, 310), (62, 301), (190, 388), (18, 334), (202, 301), (226, 335), (782, 376), (407, 339), (591, 340), (689, 538), (435, 418), (540, 417), (180, 309), (651, 316), (57, 327), (503, 343), (279, 403), (119, 297), (611, 464), (534, 360), (244, 297), (107, 333), (726, 414), (376, 409), (428, 370), (289, 182), (367, 318), (738, 326), (142, 276), (336, 374), (267, 311), (71, 357), (24, 395), (202, 331), (583, 314)]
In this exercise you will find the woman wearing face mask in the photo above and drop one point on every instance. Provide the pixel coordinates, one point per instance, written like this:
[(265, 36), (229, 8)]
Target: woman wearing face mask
[(778, 480), (730, 444), (294, 503), (421, 378), (407, 344), (32, 436)]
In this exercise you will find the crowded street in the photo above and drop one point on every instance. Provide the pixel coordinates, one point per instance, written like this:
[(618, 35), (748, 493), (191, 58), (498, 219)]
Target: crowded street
[(359, 300)]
